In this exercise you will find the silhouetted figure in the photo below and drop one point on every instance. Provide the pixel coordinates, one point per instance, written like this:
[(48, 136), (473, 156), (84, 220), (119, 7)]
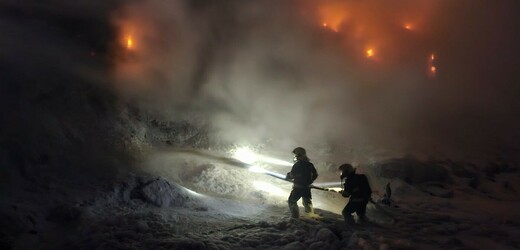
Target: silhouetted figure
[(387, 196), (356, 187), (303, 174)]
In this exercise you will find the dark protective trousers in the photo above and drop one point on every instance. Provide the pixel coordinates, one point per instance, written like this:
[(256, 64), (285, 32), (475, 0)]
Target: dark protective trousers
[(296, 194), (355, 206)]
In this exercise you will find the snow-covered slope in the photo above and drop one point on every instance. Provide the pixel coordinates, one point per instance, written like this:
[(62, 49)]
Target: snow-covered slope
[(145, 212)]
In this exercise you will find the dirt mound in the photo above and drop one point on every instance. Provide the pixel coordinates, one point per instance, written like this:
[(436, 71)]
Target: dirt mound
[(153, 190), (412, 171)]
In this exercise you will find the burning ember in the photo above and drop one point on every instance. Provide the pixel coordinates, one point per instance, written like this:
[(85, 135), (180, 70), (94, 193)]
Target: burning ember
[(370, 53), (129, 42), (333, 16), (333, 28), (431, 65), (359, 23)]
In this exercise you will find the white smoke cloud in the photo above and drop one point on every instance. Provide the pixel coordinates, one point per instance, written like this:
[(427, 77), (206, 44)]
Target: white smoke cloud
[(269, 72)]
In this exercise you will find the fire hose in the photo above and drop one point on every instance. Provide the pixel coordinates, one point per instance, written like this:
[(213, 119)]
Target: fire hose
[(238, 163), (241, 164), (279, 176)]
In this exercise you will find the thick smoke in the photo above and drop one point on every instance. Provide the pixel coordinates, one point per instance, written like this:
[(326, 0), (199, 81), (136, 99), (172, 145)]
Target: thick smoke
[(275, 73), (285, 73)]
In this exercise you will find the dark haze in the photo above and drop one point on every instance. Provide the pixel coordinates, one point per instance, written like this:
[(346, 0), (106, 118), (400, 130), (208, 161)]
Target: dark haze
[(269, 73)]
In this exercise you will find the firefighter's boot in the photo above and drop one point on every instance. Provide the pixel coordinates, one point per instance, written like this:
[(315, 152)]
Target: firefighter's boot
[(349, 220), (295, 212), (307, 204)]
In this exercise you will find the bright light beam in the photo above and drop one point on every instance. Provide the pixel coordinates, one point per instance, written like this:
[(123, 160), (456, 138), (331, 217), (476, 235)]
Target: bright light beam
[(257, 169), (269, 188), (276, 175), (246, 155), (267, 159)]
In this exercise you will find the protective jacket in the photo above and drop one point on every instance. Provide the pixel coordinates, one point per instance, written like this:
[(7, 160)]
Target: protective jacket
[(304, 173), (357, 187)]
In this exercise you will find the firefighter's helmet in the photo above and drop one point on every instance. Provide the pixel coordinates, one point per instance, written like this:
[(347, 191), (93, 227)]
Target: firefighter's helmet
[(347, 168), (299, 151)]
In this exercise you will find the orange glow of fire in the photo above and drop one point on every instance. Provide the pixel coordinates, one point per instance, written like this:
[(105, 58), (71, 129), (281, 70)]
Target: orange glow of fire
[(370, 53), (130, 42), (333, 16), (326, 25), (431, 65), (367, 28), (127, 37)]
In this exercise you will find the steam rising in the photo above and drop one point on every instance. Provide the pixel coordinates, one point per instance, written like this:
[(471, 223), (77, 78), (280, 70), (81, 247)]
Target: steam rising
[(295, 73), (351, 76)]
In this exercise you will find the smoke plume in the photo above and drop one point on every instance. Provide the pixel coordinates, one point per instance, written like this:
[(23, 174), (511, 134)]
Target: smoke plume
[(362, 79)]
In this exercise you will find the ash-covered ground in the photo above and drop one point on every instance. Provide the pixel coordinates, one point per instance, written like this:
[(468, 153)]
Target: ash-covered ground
[(119, 119)]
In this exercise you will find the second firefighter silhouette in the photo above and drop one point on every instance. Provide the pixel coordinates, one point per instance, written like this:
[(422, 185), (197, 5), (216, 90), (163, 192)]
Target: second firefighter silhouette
[(358, 189), (303, 174)]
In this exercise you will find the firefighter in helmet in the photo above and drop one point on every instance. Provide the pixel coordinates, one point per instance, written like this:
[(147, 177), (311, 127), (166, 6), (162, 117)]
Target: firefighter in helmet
[(356, 187), (303, 174)]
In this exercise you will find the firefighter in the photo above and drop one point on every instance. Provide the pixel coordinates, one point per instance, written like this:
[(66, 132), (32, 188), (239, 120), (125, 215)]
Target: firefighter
[(356, 187), (303, 174)]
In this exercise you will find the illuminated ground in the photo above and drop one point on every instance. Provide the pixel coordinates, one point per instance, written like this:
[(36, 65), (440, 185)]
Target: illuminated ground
[(228, 211)]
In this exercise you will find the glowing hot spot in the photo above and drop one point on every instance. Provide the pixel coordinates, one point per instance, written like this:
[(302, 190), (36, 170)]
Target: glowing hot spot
[(370, 53), (431, 65), (129, 43)]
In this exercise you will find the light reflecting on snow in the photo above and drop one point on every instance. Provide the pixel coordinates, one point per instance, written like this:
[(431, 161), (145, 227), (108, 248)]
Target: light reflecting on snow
[(247, 155), (193, 192), (269, 188), (257, 169)]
